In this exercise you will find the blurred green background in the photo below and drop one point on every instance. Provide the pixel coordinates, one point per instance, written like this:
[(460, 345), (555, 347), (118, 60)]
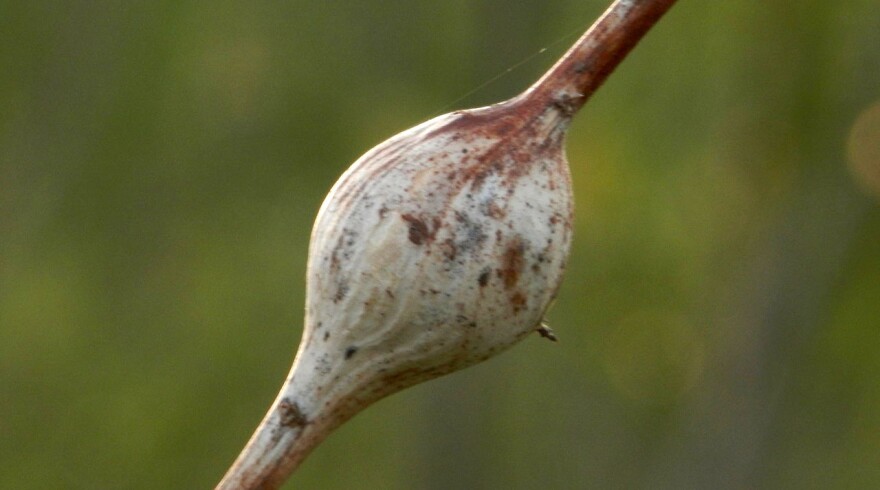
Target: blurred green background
[(161, 163)]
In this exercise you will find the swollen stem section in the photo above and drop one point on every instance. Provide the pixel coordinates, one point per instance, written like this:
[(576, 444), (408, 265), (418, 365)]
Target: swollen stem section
[(308, 408)]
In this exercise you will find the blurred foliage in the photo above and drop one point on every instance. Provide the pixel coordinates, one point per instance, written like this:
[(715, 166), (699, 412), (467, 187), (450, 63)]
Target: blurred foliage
[(161, 162)]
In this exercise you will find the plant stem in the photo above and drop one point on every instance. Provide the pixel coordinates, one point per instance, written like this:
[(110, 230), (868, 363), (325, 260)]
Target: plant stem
[(586, 65)]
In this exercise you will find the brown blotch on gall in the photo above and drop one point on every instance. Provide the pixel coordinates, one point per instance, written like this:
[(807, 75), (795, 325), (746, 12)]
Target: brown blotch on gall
[(518, 301), (512, 263), (493, 210), (418, 230)]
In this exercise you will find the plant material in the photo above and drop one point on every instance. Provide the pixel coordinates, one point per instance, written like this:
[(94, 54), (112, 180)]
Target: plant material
[(436, 250)]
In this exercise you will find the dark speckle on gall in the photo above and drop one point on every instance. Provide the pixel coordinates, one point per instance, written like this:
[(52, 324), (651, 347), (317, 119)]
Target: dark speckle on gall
[(483, 279), (350, 351)]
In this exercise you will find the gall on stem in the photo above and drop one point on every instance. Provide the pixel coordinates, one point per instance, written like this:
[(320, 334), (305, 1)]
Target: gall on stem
[(437, 249)]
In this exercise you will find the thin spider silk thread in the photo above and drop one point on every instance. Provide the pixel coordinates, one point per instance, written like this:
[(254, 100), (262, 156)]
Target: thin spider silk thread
[(508, 71)]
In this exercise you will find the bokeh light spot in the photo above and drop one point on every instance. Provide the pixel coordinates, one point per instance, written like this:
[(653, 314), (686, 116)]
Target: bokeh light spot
[(863, 149)]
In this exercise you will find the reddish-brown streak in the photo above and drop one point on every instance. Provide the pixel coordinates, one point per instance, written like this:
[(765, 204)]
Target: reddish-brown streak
[(508, 157), (512, 264)]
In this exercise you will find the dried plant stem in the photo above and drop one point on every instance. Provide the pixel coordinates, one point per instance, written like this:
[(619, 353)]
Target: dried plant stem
[(589, 62)]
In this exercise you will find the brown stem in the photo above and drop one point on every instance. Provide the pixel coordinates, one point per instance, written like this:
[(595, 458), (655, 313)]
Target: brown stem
[(586, 65)]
